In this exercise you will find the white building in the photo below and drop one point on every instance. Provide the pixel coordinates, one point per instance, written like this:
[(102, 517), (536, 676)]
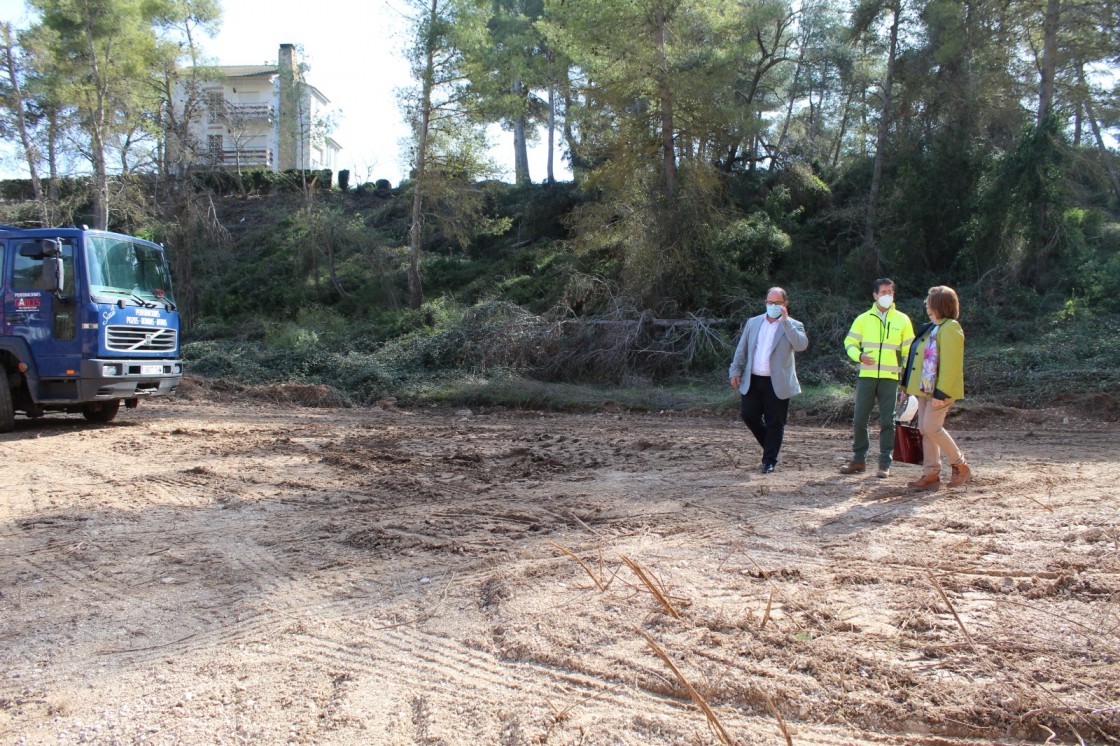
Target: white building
[(263, 117)]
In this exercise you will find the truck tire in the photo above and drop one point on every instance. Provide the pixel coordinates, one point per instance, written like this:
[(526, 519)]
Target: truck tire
[(105, 411), (7, 414)]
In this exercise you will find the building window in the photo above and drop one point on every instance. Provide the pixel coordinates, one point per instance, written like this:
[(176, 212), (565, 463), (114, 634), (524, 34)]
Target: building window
[(214, 146), (216, 104)]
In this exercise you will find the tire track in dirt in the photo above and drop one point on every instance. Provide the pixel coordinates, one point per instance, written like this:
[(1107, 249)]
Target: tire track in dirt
[(83, 583), (271, 540), (263, 625), (201, 636), (246, 568), (444, 669), (190, 487)]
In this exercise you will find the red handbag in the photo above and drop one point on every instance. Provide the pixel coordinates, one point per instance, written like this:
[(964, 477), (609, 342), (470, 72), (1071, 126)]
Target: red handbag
[(907, 443)]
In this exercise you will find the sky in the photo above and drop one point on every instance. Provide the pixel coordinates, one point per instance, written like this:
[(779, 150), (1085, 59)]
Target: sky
[(354, 49)]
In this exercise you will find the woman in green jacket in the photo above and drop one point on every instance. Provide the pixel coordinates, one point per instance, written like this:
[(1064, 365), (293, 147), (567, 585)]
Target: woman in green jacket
[(935, 375)]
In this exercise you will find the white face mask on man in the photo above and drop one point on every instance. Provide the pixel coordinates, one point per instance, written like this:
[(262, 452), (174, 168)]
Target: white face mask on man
[(773, 310), (885, 301)]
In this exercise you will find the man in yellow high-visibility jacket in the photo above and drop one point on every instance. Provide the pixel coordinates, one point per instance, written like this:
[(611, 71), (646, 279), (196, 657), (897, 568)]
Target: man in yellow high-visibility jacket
[(879, 341)]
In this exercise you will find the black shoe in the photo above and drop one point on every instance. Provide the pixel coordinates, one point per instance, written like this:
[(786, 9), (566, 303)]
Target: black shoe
[(766, 469)]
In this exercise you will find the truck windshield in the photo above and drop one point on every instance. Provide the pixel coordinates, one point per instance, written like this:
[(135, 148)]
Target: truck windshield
[(119, 267)]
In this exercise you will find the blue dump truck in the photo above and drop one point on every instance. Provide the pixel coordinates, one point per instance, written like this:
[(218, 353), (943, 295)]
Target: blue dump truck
[(87, 320)]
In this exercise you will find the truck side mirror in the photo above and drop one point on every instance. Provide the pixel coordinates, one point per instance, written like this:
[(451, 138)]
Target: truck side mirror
[(54, 274), (51, 247)]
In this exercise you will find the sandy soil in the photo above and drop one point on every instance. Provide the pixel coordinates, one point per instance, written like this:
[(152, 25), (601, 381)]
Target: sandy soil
[(205, 572)]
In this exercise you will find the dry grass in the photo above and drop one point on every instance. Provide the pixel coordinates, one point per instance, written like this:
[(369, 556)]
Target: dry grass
[(655, 588), (600, 580), (694, 695), (769, 604)]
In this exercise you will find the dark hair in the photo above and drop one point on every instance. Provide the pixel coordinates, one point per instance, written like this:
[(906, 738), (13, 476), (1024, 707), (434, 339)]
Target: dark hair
[(943, 301), (881, 282)]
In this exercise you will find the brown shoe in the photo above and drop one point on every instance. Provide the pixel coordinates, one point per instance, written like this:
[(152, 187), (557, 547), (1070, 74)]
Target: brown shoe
[(927, 482), (961, 474), (853, 467)]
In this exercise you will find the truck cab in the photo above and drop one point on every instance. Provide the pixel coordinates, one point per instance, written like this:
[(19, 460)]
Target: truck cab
[(87, 320)]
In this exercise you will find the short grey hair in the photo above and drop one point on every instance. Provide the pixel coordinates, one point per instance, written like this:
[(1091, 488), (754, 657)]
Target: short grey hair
[(785, 298)]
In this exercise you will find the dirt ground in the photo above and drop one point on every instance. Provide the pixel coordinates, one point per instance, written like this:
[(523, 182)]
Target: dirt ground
[(244, 571)]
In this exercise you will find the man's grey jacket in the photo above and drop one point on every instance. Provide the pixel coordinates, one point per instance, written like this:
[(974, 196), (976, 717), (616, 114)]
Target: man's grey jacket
[(789, 338)]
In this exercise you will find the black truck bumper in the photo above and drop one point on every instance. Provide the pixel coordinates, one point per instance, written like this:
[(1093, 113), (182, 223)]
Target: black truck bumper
[(102, 380)]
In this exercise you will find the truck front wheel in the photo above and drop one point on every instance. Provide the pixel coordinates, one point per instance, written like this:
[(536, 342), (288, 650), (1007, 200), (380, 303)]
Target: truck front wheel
[(7, 414), (105, 411)]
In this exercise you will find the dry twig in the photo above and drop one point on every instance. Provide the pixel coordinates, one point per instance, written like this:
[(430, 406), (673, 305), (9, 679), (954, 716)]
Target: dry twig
[(558, 715), (948, 603), (598, 583), (1041, 504), (777, 715), (149, 647), (766, 616), (694, 695), (657, 591)]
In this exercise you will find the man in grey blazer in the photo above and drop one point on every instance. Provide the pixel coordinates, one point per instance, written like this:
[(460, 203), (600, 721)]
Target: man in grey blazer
[(764, 372)]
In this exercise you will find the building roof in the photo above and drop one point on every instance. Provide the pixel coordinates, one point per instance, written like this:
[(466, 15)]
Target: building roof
[(247, 71)]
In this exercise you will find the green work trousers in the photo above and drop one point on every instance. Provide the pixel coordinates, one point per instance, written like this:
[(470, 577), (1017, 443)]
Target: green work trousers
[(868, 391)]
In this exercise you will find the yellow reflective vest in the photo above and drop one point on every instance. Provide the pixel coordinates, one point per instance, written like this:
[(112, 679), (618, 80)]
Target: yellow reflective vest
[(887, 340)]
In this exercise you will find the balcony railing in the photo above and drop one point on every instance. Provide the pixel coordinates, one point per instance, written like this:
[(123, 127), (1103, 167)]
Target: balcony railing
[(250, 112), (239, 113), (243, 157)]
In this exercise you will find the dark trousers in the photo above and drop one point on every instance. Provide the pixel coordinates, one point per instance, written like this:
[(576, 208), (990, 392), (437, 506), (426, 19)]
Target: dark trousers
[(868, 392), (765, 414)]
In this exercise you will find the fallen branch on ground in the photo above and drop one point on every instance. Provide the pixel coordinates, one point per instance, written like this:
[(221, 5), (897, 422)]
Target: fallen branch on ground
[(948, 603)]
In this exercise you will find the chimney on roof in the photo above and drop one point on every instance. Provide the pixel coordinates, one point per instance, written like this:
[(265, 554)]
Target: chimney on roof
[(288, 57)]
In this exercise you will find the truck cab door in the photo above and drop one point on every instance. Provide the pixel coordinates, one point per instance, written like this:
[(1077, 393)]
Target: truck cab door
[(47, 319)]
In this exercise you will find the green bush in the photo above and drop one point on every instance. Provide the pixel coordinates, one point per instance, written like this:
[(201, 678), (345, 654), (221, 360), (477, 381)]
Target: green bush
[(15, 190), (359, 378), (1066, 356), (751, 244), (1098, 277), (293, 179), (261, 182)]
